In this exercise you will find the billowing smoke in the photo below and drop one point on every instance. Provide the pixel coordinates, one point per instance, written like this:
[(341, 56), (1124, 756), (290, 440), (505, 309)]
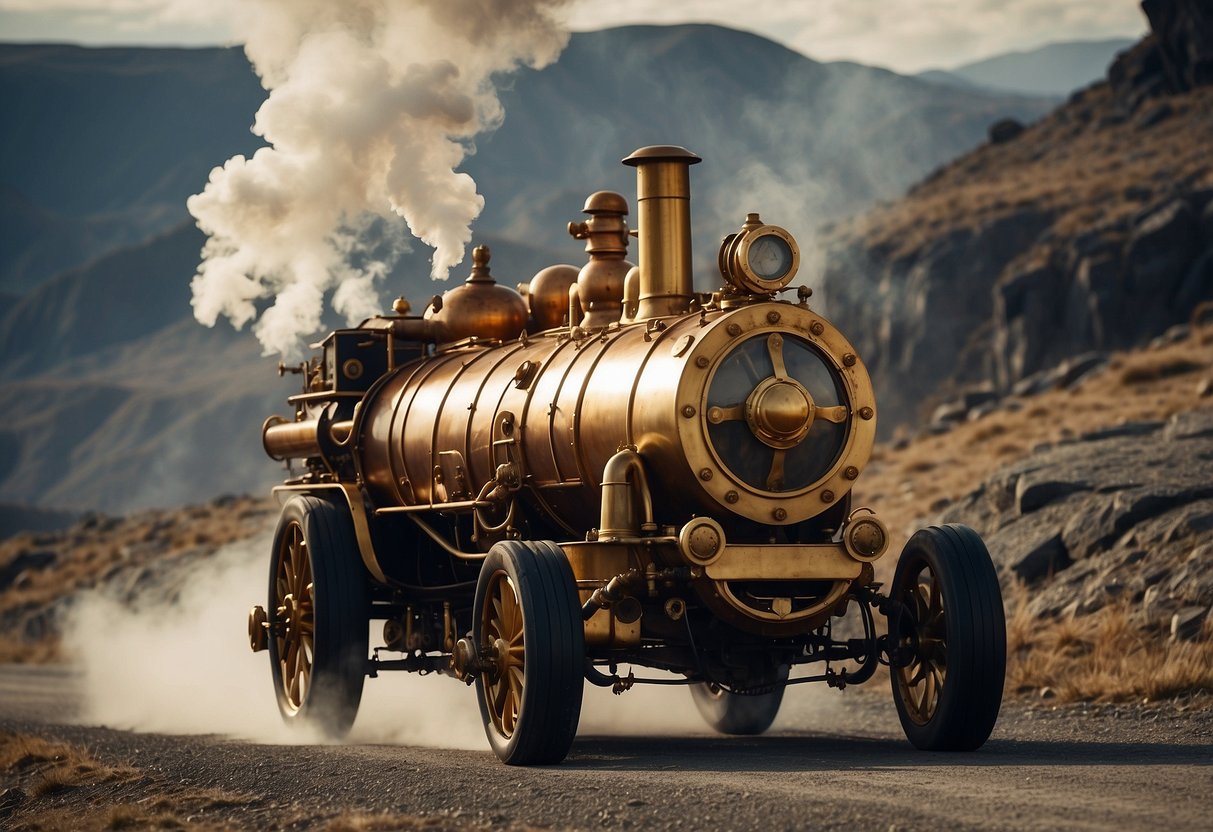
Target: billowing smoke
[(372, 107)]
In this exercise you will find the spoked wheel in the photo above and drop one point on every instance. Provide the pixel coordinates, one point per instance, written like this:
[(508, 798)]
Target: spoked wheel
[(739, 714), (951, 635), (318, 617), (528, 625)]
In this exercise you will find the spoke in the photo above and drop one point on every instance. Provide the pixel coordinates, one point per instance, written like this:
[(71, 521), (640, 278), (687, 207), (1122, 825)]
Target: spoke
[(920, 605), (935, 603), (775, 478), (515, 655), (732, 413), (837, 415), (501, 692), (775, 348)]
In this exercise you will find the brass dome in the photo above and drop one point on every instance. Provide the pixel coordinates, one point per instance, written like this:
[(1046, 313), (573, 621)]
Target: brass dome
[(480, 308)]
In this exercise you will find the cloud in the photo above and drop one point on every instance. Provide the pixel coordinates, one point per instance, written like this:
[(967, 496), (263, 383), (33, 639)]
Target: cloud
[(904, 35)]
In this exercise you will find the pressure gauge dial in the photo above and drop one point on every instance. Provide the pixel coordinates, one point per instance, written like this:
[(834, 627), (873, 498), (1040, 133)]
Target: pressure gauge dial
[(760, 259)]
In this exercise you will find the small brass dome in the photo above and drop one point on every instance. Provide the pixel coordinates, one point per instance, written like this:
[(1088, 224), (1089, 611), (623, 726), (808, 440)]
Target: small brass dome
[(480, 308)]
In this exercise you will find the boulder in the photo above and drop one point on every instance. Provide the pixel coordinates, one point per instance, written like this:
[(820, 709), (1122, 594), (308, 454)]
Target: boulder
[(1004, 130)]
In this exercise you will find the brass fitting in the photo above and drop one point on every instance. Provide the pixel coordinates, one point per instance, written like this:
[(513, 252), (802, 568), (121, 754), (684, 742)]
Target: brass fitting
[(598, 298)]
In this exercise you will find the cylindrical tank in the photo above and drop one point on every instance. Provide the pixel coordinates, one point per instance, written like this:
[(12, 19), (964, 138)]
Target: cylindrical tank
[(761, 412)]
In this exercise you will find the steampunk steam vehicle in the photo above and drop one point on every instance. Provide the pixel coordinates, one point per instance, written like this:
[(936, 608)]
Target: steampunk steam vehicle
[(532, 489)]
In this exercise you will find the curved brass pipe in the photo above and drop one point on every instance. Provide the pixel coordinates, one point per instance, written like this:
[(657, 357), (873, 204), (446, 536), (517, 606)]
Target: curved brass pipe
[(623, 481)]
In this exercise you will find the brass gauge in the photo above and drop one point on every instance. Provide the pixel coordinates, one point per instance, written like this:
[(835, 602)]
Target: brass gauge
[(760, 259)]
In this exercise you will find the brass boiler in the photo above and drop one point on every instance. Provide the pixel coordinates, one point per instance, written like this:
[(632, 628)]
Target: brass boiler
[(560, 404), (694, 427), (569, 404)]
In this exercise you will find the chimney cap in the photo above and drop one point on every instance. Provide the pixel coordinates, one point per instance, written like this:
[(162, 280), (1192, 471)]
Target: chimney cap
[(661, 153)]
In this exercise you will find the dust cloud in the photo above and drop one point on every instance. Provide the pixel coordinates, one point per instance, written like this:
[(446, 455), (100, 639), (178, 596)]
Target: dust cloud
[(372, 108), (171, 656)]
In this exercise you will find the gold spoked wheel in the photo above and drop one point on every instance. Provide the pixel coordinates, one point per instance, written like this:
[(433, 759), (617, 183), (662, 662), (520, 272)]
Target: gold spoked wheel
[(922, 680), (527, 624), (295, 606), (951, 641), (319, 608), (504, 643)]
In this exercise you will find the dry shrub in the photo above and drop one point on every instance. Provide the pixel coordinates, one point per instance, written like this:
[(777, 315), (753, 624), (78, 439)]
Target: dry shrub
[(1102, 657), (55, 766), (1168, 366)]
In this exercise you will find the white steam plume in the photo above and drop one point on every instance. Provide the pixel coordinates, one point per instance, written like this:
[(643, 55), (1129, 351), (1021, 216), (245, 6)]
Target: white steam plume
[(371, 107)]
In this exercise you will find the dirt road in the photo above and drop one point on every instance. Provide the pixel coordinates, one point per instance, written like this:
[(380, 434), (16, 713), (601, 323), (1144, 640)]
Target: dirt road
[(1103, 767)]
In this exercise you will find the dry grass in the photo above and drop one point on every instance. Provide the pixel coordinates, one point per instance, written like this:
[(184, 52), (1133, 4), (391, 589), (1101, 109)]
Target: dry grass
[(1068, 165), (54, 767), (101, 549), (67, 788), (907, 485), (1103, 657), (1163, 367)]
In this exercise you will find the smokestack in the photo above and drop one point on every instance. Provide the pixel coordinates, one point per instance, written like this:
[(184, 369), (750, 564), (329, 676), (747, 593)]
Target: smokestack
[(663, 200)]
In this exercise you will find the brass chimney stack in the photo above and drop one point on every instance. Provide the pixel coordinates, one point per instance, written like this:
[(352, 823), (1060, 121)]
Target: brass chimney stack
[(663, 207)]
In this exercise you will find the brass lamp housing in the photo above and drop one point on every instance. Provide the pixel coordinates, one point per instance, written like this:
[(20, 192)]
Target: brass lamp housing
[(736, 263)]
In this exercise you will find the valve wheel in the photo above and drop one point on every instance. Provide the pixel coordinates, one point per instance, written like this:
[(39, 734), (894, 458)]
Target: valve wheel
[(527, 624), (950, 626)]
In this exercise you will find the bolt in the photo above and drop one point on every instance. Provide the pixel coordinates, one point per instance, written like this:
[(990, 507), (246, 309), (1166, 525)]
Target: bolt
[(701, 361), (866, 413), (705, 474), (827, 496), (849, 359), (733, 329), (772, 317), (781, 514), (851, 472), (731, 497), (688, 411), (817, 328)]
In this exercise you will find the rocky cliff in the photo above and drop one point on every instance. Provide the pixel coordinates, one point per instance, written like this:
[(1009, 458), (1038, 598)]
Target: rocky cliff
[(1089, 230)]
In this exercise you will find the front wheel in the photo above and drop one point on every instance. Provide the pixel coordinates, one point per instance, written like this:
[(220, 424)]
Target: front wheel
[(739, 714), (950, 633), (527, 623), (319, 613)]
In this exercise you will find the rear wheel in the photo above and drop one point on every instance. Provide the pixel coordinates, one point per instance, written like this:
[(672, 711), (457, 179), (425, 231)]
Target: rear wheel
[(739, 714), (319, 607), (951, 637), (528, 625)]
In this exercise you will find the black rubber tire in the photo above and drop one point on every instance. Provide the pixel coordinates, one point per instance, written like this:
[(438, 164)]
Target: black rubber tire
[(974, 638), (553, 648), (739, 714), (340, 613)]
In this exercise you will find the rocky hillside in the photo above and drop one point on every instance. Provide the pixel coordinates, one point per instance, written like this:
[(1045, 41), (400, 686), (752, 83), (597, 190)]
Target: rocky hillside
[(1089, 230)]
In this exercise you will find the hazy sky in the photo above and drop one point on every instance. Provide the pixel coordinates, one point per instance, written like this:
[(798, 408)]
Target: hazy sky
[(905, 35)]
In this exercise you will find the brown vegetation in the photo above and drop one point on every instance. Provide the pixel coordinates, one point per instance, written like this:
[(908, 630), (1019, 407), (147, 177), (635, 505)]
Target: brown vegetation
[(107, 550), (1102, 656), (1070, 165)]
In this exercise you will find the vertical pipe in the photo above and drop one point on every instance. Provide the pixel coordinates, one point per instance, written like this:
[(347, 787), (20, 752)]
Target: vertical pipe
[(663, 198)]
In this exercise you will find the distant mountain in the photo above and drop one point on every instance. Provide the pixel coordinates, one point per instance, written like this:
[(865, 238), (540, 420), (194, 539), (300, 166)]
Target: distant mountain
[(99, 148), (105, 144), (128, 403), (1053, 69)]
